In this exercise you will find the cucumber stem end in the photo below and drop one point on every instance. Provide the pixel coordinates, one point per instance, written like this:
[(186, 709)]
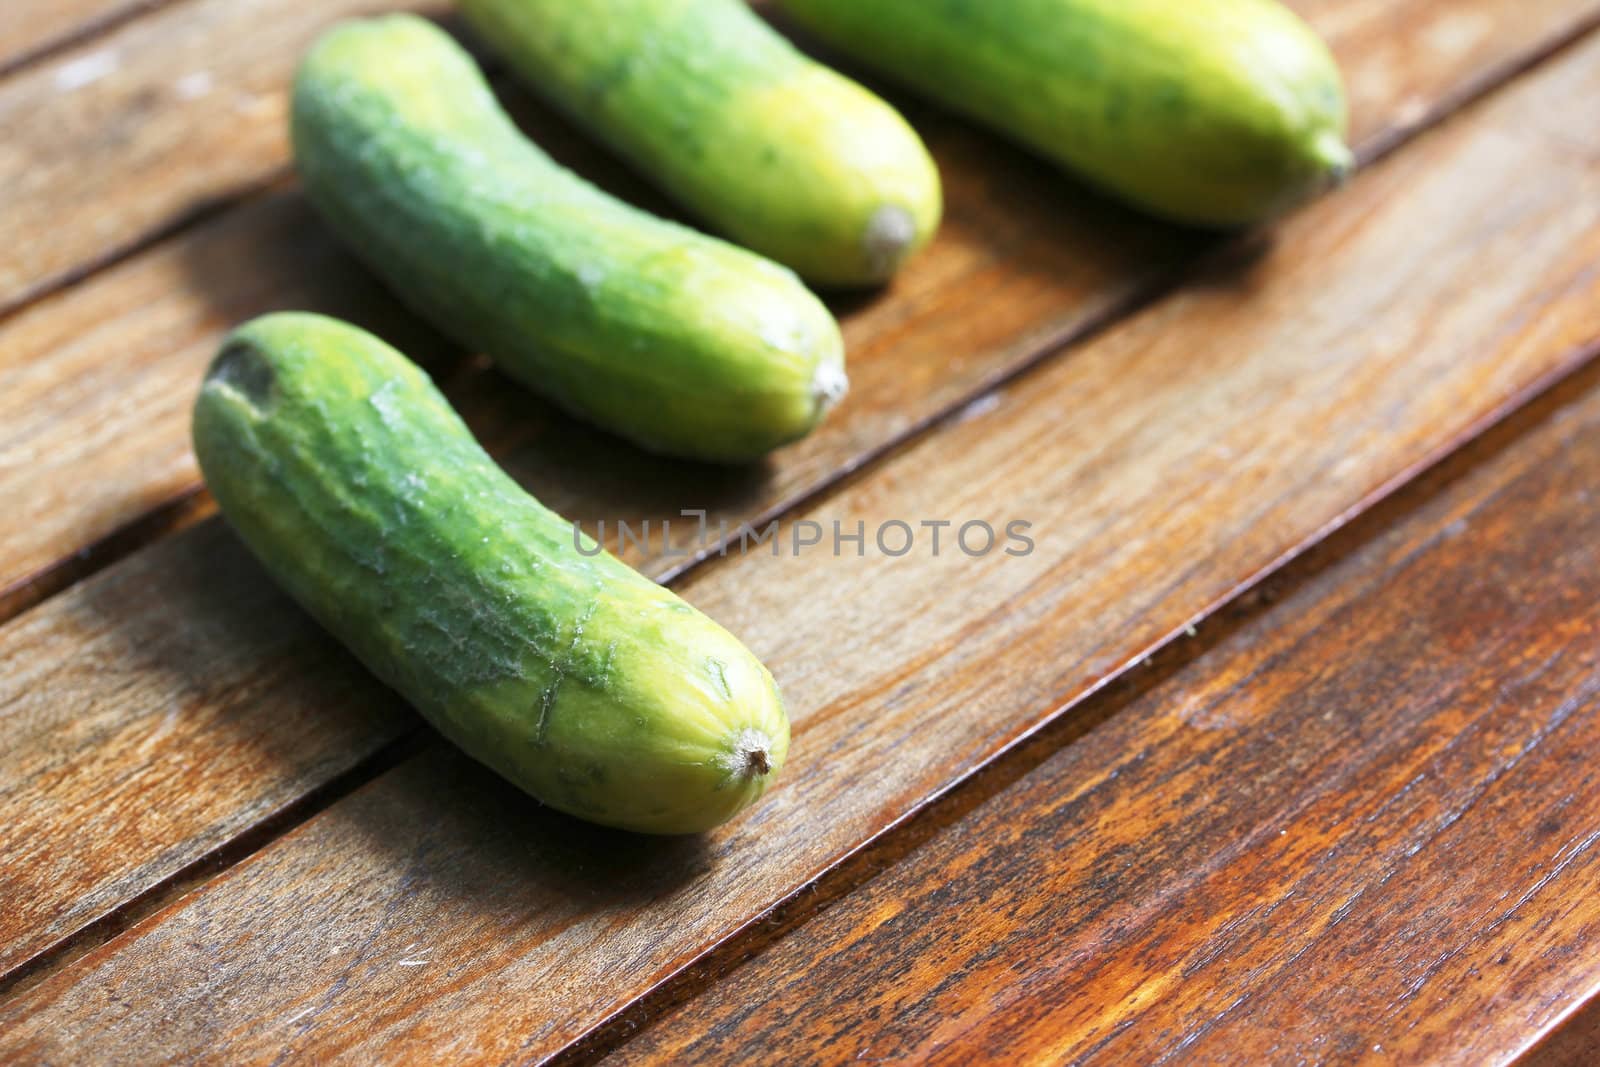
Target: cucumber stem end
[(891, 231), (750, 755), (828, 386), (1333, 156)]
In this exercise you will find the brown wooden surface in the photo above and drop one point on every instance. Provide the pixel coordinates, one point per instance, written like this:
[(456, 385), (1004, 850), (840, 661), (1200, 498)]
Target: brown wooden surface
[(988, 281), (1574, 1042), (101, 803), (1276, 397), (223, 840), (32, 29), (999, 286), (1331, 837), (131, 132)]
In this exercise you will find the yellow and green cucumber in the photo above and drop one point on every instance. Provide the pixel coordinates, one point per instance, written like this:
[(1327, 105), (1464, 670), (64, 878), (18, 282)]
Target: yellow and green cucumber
[(361, 491), (1211, 112), (770, 147), (684, 343)]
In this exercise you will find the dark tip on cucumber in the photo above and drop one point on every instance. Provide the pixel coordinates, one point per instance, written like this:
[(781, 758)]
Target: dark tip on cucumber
[(756, 762), (240, 368)]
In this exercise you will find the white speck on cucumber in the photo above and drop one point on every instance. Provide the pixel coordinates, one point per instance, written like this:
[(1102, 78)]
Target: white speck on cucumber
[(890, 233), (383, 401), (790, 337), (829, 385)]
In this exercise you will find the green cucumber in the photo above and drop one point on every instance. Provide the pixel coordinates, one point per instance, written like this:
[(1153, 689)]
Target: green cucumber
[(679, 341), (1211, 112), (361, 491), (773, 149)]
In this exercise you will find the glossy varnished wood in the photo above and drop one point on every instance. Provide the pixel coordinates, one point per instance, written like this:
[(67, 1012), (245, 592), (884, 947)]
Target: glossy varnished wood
[(1163, 465), (1360, 827), (33, 29), (1573, 1042), (99, 803), (131, 132), (98, 431)]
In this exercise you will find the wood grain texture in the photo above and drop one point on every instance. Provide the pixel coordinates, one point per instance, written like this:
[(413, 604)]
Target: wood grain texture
[(1572, 1042), (34, 28), (1390, 46), (1162, 466), (101, 804), (99, 379), (1360, 827), (95, 382), (134, 131)]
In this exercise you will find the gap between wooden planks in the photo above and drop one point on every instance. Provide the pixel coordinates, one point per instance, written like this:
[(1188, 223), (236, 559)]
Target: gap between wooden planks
[(1572, 1041), (1213, 436), (1363, 821), (36, 29), (97, 381), (132, 132), (970, 295)]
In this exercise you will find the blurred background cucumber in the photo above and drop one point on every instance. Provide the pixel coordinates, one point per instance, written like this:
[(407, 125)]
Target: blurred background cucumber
[(771, 148), (1211, 112)]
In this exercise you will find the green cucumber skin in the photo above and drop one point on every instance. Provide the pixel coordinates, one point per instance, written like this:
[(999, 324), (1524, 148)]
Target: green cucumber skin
[(361, 491), (773, 149), (681, 342), (1209, 112)]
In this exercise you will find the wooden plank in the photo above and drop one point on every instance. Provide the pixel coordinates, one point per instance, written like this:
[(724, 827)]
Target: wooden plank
[(33, 28), (1024, 259), (1361, 825), (99, 379), (1573, 1042), (130, 133), (1162, 466), (1385, 48), (188, 644)]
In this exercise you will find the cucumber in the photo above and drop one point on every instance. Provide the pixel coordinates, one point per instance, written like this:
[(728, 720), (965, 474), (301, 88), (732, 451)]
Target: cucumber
[(679, 341), (770, 147), (1210, 112), (596, 690)]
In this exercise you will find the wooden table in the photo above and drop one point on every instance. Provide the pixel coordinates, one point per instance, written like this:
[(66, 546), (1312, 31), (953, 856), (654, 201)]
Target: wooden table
[(1278, 748)]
